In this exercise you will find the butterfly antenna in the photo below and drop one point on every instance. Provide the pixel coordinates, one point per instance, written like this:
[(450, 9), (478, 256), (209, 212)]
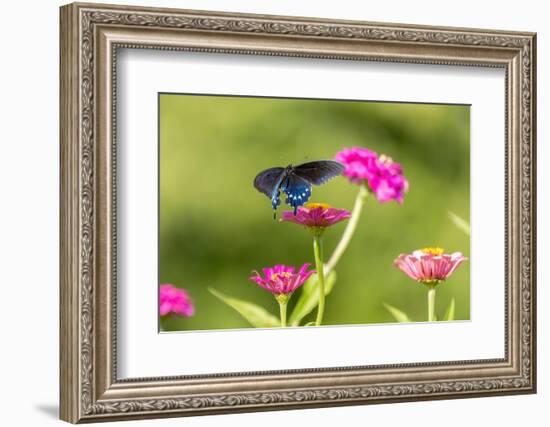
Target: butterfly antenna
[(295, 210), (274, 215)]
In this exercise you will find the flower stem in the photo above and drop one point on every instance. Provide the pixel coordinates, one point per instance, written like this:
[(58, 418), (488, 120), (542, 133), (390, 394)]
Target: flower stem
[(318, 253), (282, 311), (350, 228), (431, 303)]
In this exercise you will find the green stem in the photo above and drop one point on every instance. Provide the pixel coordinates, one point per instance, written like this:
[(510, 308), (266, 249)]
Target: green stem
[(318, 253), (282, 311), (431, 303), (350, 228)]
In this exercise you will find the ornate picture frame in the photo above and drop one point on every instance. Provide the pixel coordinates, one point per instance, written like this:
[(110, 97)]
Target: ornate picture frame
[(90, 37)]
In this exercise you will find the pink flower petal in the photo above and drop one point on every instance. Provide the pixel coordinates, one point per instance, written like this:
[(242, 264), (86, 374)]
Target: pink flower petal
[(383, 176), (319, 216), (173, 300), (427, 267), (283, 278)]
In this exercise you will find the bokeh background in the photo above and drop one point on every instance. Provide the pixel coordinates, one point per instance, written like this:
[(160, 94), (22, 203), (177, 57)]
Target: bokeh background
[(215, 228)]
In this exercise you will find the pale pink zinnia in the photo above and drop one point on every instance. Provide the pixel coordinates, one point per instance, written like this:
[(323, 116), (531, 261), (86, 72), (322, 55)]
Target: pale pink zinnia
[(174, 300), (282, 279), (317, 215), (429, 265), (383, 176)]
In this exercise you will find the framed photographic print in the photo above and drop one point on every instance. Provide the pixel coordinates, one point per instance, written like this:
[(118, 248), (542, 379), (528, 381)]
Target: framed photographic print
[(265, 212)]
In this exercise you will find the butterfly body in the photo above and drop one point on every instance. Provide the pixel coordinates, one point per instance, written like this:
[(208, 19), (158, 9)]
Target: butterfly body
[(295, 181)]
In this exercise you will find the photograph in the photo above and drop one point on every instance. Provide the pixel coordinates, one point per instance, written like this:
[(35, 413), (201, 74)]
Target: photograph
[(348, 208), (287, 212)]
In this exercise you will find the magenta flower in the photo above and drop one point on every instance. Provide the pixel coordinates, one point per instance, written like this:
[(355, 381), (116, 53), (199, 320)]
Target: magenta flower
[(429, 265), (316, 215), (282, 279), (382, 175), (175, 301)]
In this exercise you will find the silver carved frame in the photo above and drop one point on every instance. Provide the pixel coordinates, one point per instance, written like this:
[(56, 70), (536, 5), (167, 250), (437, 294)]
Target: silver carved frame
[(90, 36)]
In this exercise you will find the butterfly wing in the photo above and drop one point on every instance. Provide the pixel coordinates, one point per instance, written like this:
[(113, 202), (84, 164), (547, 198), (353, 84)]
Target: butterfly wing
[(269, 182), (320, 171), (296, 182), (297, 190)]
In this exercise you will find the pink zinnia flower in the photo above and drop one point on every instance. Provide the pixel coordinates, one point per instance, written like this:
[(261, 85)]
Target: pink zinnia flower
[(383, 176), (316, 215), (175, 300), (282, 279), (429, 265)]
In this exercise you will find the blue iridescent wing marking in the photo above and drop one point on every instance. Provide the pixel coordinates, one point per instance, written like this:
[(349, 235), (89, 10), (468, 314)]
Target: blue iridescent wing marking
[(320, 171), (297, 190)]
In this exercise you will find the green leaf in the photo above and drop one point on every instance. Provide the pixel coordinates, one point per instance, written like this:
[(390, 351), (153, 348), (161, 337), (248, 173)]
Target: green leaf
[(309, 297), (255, 315), (397, 314), (450, 313), (460, 223)]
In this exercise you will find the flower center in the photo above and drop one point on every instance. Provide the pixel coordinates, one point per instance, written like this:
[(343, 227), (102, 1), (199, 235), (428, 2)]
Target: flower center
[(432, 251), (283, 275), (385, 160), (317, 205)]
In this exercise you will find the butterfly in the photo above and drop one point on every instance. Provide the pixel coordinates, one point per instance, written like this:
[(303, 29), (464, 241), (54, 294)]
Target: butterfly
[(295, 181)]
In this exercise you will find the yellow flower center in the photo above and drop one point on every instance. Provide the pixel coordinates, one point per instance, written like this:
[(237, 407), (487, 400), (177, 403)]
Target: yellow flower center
[(433, 251), (284, 274), (317, 205)]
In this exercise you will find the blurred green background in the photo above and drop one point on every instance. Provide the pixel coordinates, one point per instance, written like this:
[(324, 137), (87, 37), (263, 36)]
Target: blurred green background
[(215, 228)]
